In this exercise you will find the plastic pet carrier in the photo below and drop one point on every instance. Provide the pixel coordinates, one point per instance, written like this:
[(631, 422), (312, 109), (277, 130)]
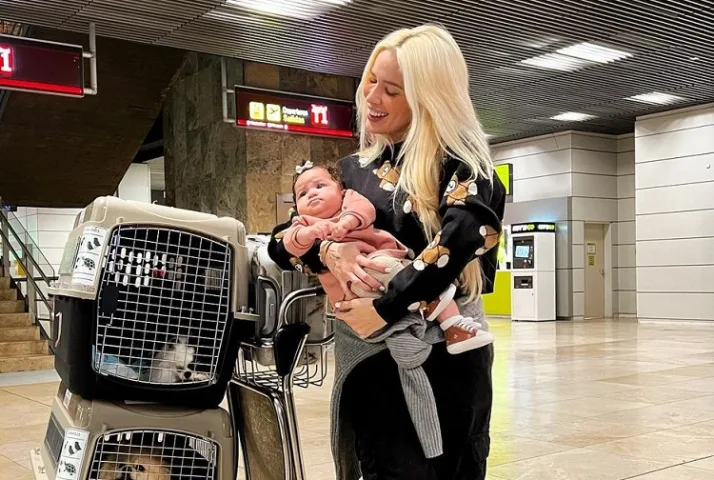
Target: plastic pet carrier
[(270, 288), (146, 302), (98, 440)]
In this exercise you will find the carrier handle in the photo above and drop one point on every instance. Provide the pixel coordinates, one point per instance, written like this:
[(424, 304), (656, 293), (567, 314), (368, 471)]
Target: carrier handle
[(293, 297)]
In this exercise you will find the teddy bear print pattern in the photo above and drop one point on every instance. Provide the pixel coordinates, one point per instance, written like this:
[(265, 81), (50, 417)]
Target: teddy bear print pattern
[(388, 176), (457, 192), (433, 254)]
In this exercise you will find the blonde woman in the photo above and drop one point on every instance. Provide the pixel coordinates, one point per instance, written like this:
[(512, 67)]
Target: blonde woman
[(424, 164)]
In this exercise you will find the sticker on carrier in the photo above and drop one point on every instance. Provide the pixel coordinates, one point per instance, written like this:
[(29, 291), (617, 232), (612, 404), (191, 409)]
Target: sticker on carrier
[(70, 461), (88, 258)]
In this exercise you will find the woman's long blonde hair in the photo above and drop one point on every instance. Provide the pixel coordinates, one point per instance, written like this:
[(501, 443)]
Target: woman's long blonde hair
[(436, 85)]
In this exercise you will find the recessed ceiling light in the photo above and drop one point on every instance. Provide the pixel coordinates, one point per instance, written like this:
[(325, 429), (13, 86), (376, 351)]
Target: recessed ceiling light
[(656, 98), (594, 53), (555, 61), (304, 9), (572, 117), (575, 57)]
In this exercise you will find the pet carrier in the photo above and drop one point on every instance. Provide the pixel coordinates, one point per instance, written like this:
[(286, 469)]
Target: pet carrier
[(269, 288), (261, 399), (99, 440), (146, 302)]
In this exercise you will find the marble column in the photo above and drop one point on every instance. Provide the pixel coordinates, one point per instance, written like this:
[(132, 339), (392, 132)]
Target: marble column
[(216, 167)]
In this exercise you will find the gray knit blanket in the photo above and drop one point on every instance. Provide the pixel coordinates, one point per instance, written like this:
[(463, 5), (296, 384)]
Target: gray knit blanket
[(409, 342)]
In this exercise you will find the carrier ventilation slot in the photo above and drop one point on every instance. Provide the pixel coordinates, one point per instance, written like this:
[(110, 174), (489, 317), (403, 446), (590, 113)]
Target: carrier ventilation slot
[(54, 439)]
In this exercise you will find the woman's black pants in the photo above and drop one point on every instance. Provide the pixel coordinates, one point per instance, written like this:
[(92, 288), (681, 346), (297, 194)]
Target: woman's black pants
[(386, 441)]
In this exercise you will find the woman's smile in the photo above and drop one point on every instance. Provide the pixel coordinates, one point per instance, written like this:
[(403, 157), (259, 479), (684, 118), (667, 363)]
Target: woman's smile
[(376, 116)]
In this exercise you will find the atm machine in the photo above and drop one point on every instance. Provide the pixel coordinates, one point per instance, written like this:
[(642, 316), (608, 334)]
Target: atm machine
[(533, 272)]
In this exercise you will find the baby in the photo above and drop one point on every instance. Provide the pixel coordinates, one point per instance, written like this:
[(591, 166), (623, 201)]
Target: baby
[(327, 211)]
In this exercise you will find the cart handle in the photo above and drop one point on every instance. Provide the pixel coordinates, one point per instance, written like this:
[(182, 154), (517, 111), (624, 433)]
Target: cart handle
[(293, 297)]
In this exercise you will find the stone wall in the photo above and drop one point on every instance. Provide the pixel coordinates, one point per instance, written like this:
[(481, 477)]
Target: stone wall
[(216, 167)]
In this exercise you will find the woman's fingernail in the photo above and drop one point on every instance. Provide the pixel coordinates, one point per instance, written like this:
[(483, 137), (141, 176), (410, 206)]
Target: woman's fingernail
[(337, 305), (381, 288), (388, 270)]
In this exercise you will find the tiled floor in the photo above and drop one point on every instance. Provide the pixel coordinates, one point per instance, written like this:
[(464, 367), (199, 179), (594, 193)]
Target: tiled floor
[(593, 400)]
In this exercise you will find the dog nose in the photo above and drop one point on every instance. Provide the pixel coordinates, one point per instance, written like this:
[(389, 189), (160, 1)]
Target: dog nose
[(187, 375), (126, 473)]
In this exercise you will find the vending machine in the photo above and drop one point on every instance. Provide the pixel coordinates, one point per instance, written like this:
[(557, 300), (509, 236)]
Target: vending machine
[(533, 272)]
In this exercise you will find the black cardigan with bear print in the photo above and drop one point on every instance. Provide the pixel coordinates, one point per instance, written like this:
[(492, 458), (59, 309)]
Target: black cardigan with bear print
[(471, 215)]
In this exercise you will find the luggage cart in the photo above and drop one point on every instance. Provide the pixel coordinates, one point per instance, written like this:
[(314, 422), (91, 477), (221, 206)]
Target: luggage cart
[(261, 398)]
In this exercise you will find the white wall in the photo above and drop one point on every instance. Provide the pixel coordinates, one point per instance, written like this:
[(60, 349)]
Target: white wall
[(593, 200), (541, 166), (49, 229), (542, 170), (674, 155), (579, 167), (623, 234), (136, 184)]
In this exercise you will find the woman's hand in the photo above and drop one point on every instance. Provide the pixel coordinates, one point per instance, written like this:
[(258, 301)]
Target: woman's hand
[(360, 315), (347, 264)]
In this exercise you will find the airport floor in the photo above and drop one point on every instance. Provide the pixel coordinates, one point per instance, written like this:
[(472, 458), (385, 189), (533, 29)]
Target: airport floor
[(590, 400)]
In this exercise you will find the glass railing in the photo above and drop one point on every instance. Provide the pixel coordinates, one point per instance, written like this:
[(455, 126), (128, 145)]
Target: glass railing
[(29, 242), (30, 270)]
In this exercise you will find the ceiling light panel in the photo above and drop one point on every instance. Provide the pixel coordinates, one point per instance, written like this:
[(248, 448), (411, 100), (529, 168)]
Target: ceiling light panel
[(594, 53), (555, 61), (573, 117), (576, 57), (302, 9), (656, 98)]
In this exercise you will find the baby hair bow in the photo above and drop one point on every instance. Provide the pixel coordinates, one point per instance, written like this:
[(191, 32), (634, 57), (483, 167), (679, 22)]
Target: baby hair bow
[(305, 166)]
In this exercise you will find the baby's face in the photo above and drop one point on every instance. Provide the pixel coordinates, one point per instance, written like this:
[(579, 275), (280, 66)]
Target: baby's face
[(317, 194)]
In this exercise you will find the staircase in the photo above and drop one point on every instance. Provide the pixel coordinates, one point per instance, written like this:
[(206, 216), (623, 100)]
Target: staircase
[(21, 345)]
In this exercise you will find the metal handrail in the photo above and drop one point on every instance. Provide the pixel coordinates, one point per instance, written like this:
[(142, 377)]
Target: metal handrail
[(7, 232), (22, 263)]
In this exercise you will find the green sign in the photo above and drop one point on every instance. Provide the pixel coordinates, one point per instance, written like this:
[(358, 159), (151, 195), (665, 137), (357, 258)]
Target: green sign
[(505, 173)]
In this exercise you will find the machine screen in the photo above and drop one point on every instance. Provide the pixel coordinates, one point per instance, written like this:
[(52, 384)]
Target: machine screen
[(523, 252)]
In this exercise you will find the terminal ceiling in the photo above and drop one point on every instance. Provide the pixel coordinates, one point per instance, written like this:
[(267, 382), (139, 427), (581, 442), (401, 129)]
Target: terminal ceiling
[(530, 60)]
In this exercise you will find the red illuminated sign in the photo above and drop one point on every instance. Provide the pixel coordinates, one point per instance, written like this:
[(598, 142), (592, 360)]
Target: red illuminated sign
[(289, 112), (31, 65), (6, 67)]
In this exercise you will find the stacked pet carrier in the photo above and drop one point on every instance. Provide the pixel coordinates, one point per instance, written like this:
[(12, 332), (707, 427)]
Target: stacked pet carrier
[(147, 340)]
